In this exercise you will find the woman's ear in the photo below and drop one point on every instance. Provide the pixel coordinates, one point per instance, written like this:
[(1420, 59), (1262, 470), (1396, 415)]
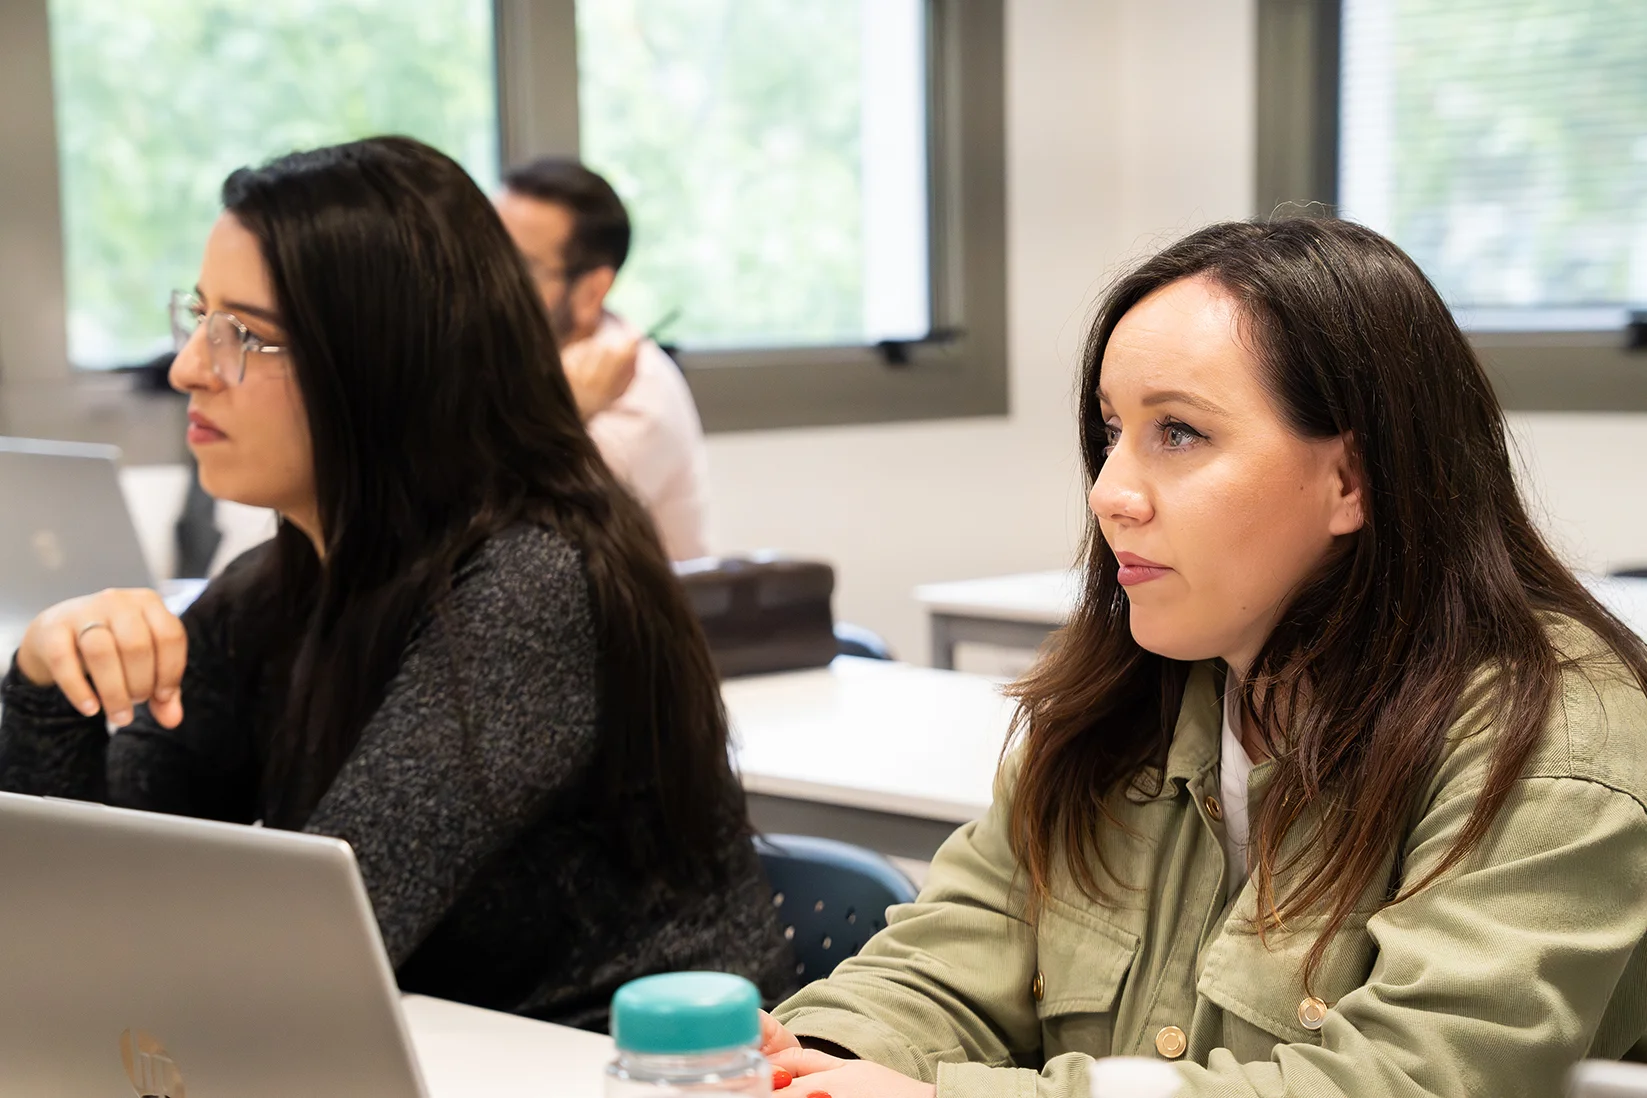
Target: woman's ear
[(1347, 508)]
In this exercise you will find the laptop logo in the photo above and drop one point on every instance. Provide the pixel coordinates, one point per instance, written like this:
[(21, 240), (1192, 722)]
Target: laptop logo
[(152, 1071), (48, 550)]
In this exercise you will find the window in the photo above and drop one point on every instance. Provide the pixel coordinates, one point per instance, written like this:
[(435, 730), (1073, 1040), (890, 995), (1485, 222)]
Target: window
[(158, 100), (1503, 144), (773, 159), (818, 189)]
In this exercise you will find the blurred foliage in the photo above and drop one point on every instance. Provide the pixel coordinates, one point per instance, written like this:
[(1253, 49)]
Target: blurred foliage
[(158, 100), (731, 129), (1521, 148)]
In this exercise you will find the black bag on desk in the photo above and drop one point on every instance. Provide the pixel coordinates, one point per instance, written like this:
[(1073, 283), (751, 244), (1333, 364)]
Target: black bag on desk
[(762, 613)]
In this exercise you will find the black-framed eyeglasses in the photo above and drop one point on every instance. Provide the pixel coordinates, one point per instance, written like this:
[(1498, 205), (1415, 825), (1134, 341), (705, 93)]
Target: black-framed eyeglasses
[(228, 341)]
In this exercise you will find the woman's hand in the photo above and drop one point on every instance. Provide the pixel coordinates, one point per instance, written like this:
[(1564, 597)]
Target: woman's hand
[(818, 1072), (774, 1037), (130, 647)]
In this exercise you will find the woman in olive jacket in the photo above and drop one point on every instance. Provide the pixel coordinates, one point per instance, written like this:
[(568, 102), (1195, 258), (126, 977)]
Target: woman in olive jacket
[(1334, 783)]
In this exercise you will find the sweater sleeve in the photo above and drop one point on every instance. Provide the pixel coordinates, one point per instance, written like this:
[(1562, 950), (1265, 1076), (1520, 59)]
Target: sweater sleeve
[(490, 718)]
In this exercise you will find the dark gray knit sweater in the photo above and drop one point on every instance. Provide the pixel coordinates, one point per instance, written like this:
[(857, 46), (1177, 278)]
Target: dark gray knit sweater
[(490, 884)]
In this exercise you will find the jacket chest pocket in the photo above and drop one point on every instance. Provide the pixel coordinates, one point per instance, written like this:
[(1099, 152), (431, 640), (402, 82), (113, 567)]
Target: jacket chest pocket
[(1259, 983), (1082, 964)]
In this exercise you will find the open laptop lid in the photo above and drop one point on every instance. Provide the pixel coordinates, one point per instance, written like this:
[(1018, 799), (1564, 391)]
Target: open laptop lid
[(150, 954), (66, 530)]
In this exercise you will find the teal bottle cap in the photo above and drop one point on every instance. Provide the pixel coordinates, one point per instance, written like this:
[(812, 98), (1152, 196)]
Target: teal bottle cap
[(679, 1013)]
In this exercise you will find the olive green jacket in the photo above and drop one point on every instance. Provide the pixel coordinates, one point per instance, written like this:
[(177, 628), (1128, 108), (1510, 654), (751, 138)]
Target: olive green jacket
[(1489, 983)]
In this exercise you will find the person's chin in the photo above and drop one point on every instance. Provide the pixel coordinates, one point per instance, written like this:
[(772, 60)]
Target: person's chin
[(222, 482), (1158, 634), (214, 479)]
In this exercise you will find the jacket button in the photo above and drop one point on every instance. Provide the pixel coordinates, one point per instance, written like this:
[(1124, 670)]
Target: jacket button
[(1170, 1042), (1038, 986), (1311, 1013), (1214, 809)]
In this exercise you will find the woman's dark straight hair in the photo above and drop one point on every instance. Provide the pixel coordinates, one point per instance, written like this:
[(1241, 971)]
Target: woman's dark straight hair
[(439, 416), (1439, 603)]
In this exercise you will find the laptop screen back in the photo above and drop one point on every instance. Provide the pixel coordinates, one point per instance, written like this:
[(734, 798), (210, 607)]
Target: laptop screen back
[(66, 530)]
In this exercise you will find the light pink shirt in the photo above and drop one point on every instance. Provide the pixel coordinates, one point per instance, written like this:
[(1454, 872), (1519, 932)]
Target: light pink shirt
[(652, 439)]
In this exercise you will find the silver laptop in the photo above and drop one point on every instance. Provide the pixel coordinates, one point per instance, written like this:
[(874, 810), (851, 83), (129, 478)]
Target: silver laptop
[(153, 955)]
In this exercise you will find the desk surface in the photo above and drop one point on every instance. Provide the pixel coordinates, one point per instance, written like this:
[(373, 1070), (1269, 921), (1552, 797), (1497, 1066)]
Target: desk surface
[(1042, 598), (466, 1052), (872, 734)]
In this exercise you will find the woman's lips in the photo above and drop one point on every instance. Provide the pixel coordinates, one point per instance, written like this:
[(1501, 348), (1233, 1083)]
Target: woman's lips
[(203, 430), (1135, 569)]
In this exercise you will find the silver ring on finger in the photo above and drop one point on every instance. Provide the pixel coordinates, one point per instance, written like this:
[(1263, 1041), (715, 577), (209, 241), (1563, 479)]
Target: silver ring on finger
[(80, 633)]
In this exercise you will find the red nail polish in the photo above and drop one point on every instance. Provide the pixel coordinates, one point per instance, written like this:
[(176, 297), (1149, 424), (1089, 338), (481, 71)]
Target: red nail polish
[(818, 1094), (781, 1078)]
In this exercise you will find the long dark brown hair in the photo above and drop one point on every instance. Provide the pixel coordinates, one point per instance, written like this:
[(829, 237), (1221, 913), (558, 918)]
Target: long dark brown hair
[(1381, 650), (439, 416)]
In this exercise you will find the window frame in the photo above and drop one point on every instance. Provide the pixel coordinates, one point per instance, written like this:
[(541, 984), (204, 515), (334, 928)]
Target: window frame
[(43, 394), (776, 387), (1533, 370)]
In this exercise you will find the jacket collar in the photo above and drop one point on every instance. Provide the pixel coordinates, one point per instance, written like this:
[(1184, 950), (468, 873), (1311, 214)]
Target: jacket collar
[(1195, 738)]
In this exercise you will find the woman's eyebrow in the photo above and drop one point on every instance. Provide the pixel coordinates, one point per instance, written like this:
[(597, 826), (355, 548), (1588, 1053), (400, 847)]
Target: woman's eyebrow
[(1178, 396), (238, 307), (1170, 396)]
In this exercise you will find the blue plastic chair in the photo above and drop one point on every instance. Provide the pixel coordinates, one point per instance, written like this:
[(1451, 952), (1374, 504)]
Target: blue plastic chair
[(831, 897), (855, 640)]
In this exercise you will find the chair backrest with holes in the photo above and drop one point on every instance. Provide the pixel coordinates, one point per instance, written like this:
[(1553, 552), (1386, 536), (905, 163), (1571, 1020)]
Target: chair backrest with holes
[(831, 897)]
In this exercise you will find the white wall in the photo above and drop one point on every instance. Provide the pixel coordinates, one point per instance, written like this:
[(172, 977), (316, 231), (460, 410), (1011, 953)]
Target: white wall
[(1128, 122), (1585, 477)]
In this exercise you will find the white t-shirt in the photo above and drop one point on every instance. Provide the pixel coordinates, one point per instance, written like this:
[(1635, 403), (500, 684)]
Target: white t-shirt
[(1234, 768), (652, 439)]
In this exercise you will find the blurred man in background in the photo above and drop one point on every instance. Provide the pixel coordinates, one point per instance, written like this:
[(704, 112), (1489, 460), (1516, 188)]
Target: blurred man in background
[(574, 233)]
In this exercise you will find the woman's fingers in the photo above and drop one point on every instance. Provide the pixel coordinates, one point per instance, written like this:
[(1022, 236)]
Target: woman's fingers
[(100, 653), (859, 1079), (54, 647), (135, 643), (774, 1037), (804, 1061), (171, 659)]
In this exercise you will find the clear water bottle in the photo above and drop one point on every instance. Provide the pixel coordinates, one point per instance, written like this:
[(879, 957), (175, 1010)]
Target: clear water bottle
[(1133, 1077), (688, 1033)]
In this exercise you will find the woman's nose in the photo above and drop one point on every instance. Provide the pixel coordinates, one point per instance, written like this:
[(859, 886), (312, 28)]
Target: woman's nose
[(192, 366), (1119, 494)]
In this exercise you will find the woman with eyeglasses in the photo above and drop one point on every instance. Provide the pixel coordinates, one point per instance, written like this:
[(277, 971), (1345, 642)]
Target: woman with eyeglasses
[(464, 651)]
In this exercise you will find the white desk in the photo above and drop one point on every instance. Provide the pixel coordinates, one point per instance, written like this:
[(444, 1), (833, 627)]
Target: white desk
[(885, 754), (1019, 611), (1013, 611), (466, 1052)]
